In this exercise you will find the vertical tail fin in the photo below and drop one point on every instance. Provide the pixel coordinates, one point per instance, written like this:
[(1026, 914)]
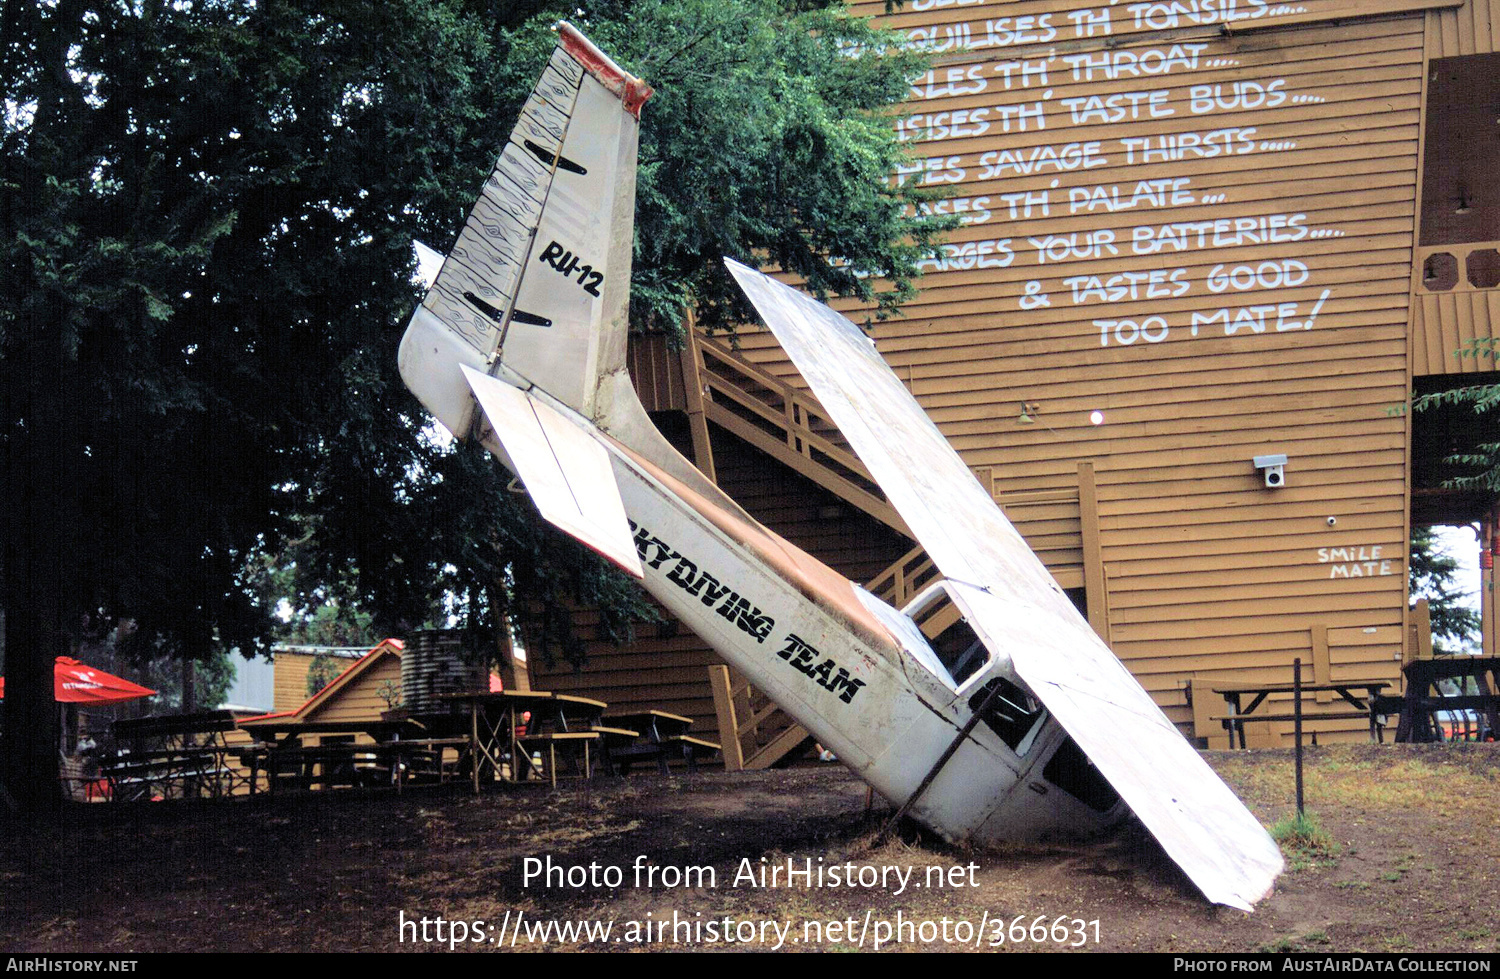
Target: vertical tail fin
[(539, 279)]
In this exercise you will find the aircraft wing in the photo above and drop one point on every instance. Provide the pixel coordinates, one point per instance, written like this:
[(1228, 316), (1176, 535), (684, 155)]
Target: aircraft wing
[(566, 471), (1016, 606)]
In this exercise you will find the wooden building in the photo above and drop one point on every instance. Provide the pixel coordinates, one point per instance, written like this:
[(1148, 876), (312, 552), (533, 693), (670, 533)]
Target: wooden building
[(367, 684), (294, 663), (1196, 232)]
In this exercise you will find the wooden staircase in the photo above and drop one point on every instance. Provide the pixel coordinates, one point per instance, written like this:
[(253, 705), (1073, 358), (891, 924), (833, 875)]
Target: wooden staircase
[(787, 424)]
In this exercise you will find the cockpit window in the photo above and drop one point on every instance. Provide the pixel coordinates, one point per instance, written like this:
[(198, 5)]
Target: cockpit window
[(960, 651), (1013, 714), (955, 653)]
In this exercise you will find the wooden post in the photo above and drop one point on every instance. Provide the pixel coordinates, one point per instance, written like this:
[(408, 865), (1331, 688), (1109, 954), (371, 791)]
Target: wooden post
[(729, 737), (1423, 621), (1093, 553), (692, 383), (474, 742), (1297, 724), (1487, 620), (1322, 670), (513, 673), (1205, 702)]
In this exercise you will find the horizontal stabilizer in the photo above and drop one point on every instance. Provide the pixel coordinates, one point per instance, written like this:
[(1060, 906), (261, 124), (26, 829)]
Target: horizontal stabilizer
[(1016, 606), (565, 470)]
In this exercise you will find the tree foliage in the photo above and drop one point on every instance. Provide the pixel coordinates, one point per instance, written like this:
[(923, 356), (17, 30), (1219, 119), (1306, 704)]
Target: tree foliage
[(1474, 464), (206, 209), (204, 223)]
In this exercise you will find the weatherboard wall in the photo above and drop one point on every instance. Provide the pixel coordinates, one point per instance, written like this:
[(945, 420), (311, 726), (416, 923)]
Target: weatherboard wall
[(1207, 237)]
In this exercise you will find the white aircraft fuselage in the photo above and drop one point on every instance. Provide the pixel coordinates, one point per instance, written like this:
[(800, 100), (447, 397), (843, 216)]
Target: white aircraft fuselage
[(835, 660)]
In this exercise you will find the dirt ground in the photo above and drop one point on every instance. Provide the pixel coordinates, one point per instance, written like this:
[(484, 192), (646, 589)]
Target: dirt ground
[(1409, 866)]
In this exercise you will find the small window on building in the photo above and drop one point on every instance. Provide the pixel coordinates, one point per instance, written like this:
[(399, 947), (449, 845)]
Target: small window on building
[(1484, 268), (1439, 272)]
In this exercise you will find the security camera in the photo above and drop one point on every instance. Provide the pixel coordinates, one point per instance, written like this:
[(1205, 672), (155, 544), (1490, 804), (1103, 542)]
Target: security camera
[(1273, 468), (1332, 521)]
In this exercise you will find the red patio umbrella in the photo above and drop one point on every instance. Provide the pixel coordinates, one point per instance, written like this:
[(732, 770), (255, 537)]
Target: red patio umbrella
[(78, 683)]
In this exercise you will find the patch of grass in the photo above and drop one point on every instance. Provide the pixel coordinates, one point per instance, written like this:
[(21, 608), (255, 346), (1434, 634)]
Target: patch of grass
[(1473, 934), (1304, 841), (1283, 944), (1391, 875), (1316, 938), (1346, 776), (1352, 885), (1407, 783)]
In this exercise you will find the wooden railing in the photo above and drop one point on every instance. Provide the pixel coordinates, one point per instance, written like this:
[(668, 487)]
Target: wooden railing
[(1472, 266), (787, 424)]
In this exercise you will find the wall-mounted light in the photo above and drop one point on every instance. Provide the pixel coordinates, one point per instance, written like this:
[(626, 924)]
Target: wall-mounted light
[(1464, 201), (1273, 468), (1029, 411), (1096, 417)]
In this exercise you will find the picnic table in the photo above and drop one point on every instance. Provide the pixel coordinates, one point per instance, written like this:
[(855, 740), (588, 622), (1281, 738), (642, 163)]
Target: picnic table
[(1419, 708), (565, 726), (185, 755), (661, 734), (1239, 712), (508, 731), (393, 753)]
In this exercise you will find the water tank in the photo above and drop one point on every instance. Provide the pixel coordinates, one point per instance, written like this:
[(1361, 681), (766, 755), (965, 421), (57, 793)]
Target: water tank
[(437, 662)]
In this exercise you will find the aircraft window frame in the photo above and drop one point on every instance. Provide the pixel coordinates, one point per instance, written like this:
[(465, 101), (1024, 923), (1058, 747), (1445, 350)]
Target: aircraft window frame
[(925, 598), (1022, 744)]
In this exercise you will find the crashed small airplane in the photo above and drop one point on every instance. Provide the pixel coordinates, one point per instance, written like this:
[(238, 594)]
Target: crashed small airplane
[(1015, 722)]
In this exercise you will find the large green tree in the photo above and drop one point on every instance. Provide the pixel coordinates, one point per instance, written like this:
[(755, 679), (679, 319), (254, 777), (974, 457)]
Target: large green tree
[(761, 143), (1435, 577), (206, 214)]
